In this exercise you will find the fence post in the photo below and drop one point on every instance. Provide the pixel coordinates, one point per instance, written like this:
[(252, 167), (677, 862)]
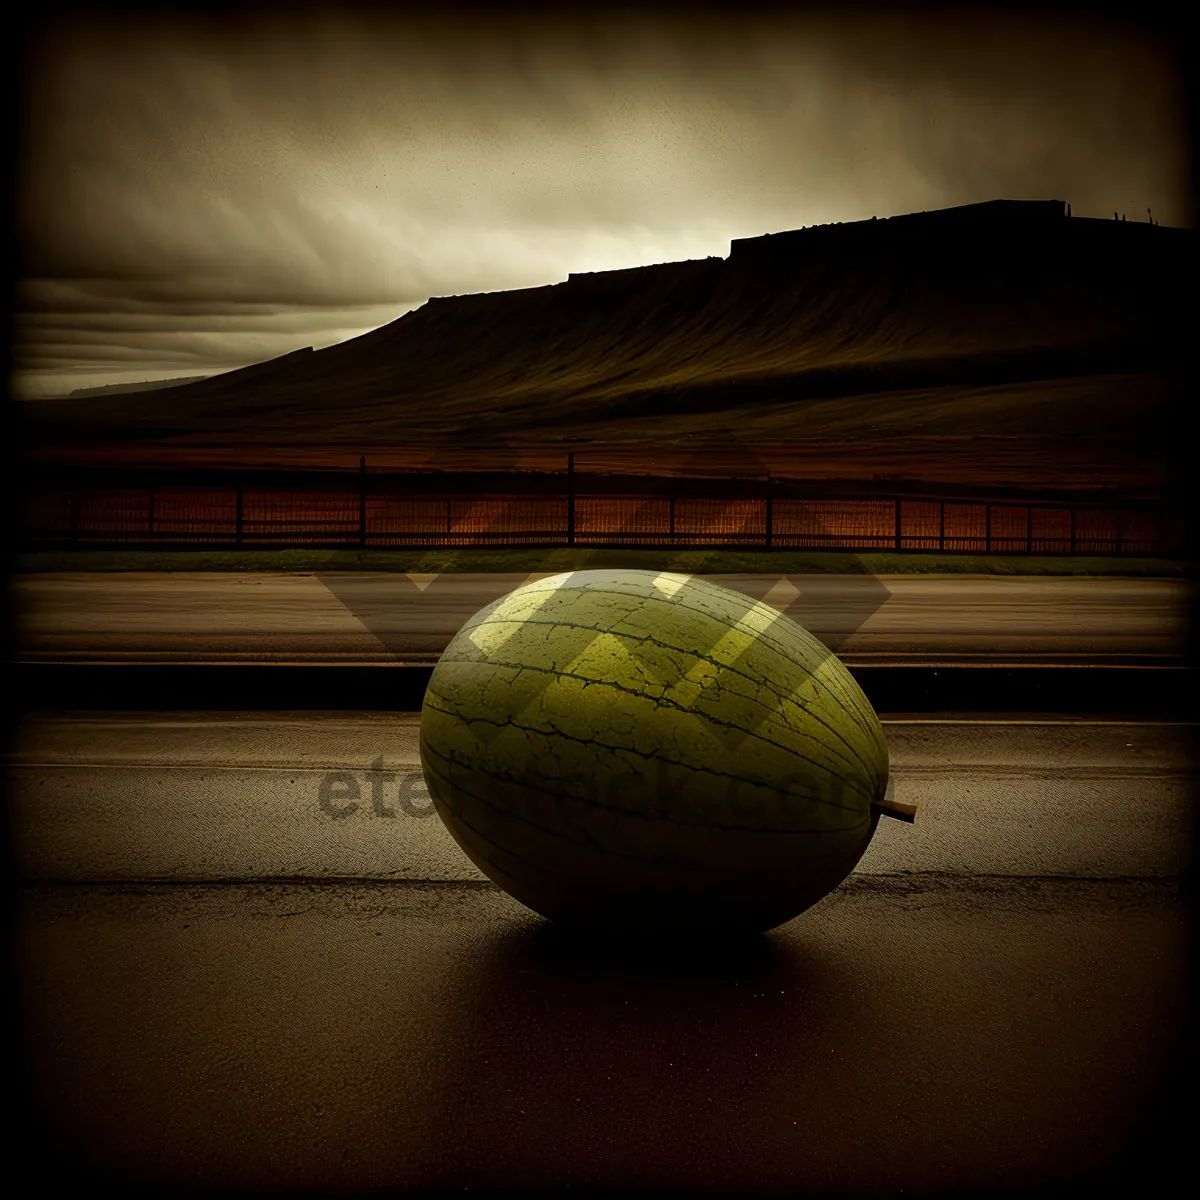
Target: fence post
[(571, 498), (770, 507), (362, 500), (897, 503), (241, 499), (671, 514), (942, 526)]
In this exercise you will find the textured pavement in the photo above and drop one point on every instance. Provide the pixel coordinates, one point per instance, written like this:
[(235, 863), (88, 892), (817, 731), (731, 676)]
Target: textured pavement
[(993, 1000), (901, 1035), (213, 796)]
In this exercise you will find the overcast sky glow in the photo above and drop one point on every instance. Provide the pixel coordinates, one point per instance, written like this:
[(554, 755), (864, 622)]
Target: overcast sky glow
[(197, 196)]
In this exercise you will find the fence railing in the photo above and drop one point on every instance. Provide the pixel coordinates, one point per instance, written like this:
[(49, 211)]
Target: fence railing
[(372, 516)]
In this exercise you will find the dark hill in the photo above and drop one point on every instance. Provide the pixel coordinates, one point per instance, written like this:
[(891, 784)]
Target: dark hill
[(1008, 318)]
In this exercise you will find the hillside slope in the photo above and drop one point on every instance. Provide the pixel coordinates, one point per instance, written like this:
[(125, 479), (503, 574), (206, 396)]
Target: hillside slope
[(1022, 329)]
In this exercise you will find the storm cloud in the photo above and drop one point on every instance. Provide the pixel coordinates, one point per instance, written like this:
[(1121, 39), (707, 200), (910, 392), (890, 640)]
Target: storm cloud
[(199, 193)]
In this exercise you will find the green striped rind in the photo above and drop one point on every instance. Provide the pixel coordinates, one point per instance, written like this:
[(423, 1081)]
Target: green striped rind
[(634, 734)]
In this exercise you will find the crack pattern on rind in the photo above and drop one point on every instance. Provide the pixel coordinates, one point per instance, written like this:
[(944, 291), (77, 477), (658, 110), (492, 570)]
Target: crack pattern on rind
[(665, 702), (658, 814), (657, 756), (710, 872), (850, 696), (847, 694)]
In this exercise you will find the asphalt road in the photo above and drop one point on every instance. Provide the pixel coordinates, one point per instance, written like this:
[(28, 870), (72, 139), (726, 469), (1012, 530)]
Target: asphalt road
[(899, 1036), (218, 796), (993, 999), (365, 618)]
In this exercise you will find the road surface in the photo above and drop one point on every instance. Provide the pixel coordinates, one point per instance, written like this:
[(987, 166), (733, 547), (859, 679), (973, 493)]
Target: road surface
[(226, 984), (367, 618), (215, 796)]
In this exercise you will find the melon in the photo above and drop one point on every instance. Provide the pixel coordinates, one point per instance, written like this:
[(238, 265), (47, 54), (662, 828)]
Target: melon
[(646, 751)]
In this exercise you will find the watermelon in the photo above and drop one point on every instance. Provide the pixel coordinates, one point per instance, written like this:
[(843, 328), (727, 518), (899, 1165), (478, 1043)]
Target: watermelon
[(648, 751)]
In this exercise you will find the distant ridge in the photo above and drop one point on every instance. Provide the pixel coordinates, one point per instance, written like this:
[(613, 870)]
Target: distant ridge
[(1003, 221), (150, 385), (238, 375)]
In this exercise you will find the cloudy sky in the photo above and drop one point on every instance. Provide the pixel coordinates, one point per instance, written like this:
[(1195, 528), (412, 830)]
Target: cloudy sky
[(198, 194)]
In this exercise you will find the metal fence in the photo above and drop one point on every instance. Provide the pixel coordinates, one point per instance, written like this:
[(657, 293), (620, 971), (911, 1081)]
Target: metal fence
[(379, 516)]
